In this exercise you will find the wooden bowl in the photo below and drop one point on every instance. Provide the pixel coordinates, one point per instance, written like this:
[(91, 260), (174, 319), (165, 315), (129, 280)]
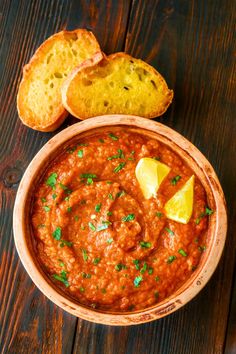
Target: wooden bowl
[(201, 167)]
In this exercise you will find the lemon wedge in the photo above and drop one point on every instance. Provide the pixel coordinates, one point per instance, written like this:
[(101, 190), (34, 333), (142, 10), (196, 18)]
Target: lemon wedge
[(150, 173), (180, 207)]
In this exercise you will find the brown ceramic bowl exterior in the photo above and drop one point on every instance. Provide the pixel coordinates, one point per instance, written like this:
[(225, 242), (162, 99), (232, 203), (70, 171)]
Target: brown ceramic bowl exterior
[(202, 168)]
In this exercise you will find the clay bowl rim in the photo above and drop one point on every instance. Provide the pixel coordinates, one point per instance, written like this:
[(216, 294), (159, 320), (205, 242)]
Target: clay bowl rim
[(217, 224)]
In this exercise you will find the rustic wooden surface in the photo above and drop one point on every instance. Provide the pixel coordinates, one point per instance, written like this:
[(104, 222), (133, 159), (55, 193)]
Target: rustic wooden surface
[(192, 44)]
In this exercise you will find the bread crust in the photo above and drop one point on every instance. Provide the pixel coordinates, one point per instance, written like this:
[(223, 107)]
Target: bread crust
[(95, 61), (56, 120)]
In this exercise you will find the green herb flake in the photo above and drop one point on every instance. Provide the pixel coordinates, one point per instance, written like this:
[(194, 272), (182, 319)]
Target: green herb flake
[(62, 278), (150, 271), (66, 243), (171, 259), (85, 255), (175, 180), (156, 294), (129, 217), (137, 281), (120, 194), (170, 232), (57, 234), (82, 289), (157, 279), (109, 182), (46, 208), (67, 198), (86, 275), (98, 207), (109, 240), (182, 252), (120, 266), (113, 137), (91, 226), (119, 167), (54, 196), (76, 218), (157, 158), (109, 213), (83, 144), (103, 290), (144, 244), (159, 214), (88, 175), (96, 261), (136, 263), (202, 248), (144, 268), (43, 200), (71, 150), (208, 211), (82, 227), (110, 196), (102, 227), (52, 180), (80, 154), (120, 155), (65, 188), (61, 264), (101, 141), (69, 209)]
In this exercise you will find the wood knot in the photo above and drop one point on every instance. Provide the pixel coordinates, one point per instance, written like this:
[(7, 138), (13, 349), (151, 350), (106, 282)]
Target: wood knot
[(12, 176)]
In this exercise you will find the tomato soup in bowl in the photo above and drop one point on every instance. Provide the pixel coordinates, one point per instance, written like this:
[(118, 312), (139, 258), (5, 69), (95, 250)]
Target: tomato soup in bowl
[(122, 221)]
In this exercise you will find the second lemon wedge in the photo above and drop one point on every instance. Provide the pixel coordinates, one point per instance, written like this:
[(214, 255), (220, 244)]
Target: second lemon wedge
[(150, 173), (180, 207)]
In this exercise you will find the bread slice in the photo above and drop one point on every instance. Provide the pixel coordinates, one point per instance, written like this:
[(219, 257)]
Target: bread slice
[(39, 96), (115, 84)]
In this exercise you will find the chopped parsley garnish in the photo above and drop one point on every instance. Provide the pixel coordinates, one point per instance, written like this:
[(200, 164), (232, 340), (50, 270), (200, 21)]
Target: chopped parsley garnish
[(82, 289), (82, 227), (170, 232), (91, 226), (86, 275), (101, 141), (65, 188), (98, 207), (157, 279), (43, 200), (80, 153), (156, 294), (137, 281), (144, 268), (89, 176), (129, 217), (175, 180), (110, 196), (71, 150), (113, 137), (150, 271), (85, 256), (66, 243), (96, 260), (159, 214), (182, 252), (57, 234), (61, 264), (52, 180), (157, 158), (76, 217), (54, 196), (136, 263), (119, 167), (207, 211), (89, 181), (109, 213), (120, 194), (109, 182), (120, 155), (109, 240), (46, 208), (62, 278), (120, 266), (144, 244), (83, 144), (69, 209), (67, 198), (171, 259)]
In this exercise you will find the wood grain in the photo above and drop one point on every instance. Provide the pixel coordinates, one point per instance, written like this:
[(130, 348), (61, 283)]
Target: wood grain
[(191, 44)]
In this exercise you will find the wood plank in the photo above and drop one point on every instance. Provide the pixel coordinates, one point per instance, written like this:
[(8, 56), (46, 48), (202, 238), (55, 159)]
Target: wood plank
[(28, 321), (191, 43)]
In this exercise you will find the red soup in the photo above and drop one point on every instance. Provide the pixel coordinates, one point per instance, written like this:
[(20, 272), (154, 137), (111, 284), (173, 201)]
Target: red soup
[(99, 239)]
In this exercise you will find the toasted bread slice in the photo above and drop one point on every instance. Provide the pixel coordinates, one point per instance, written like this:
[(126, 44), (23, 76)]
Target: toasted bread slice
[(39, 96), (116, 84)]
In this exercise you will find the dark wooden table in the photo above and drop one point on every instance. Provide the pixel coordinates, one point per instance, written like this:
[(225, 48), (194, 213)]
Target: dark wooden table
[(192, 44)]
